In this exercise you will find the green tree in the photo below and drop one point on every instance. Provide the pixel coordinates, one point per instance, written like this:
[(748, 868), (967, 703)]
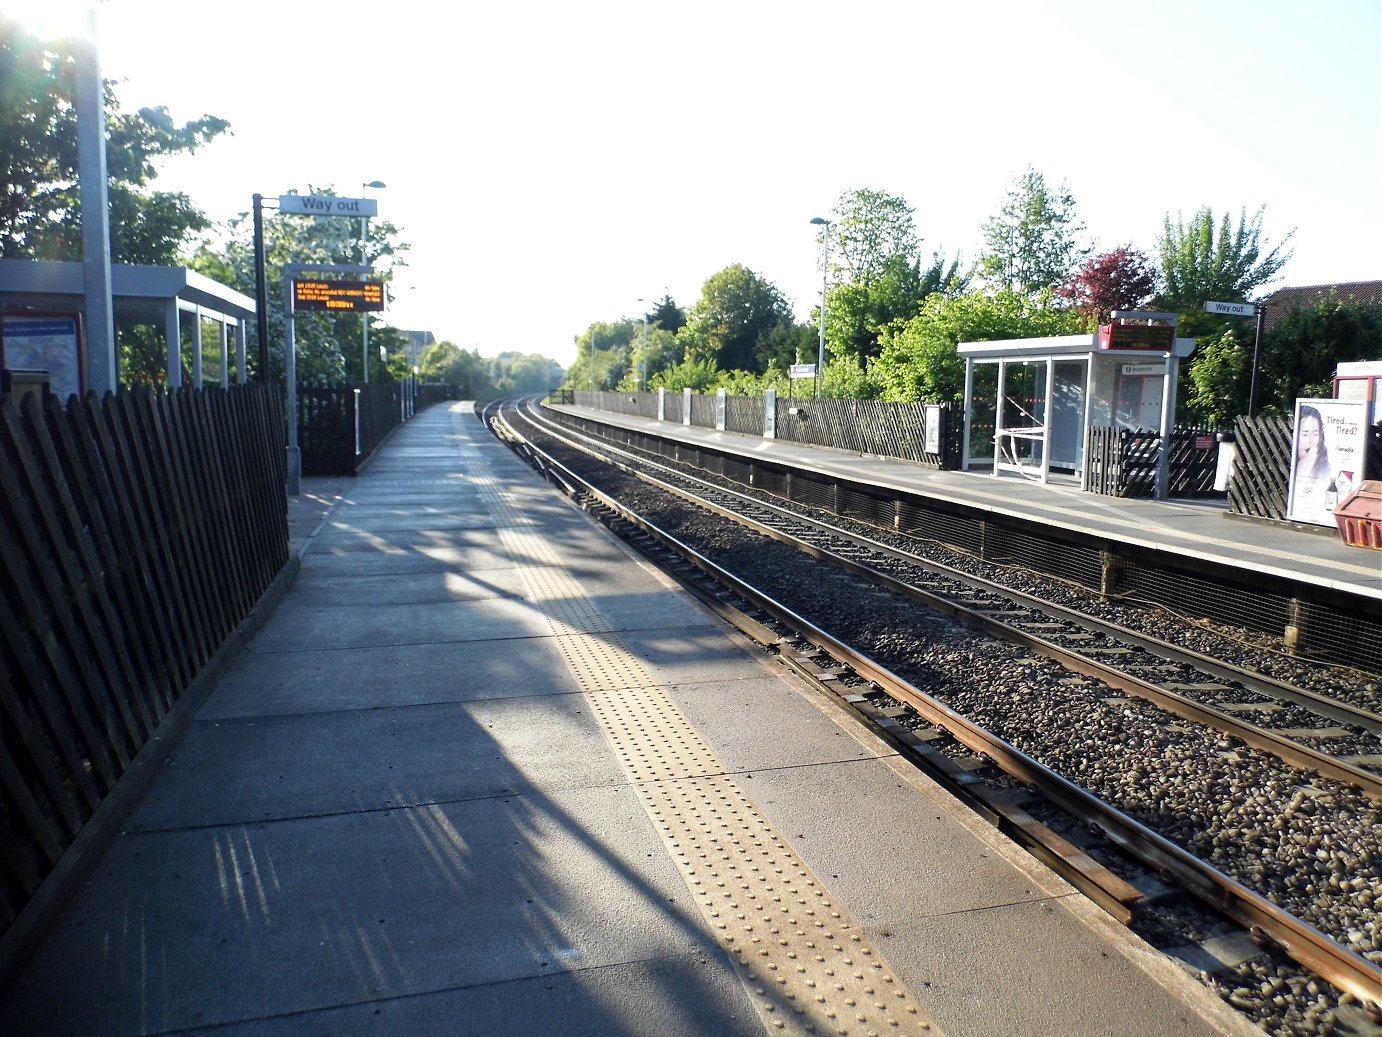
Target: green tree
[(731, 326), (846, 378), (604, 354), (871, 229), (1033, 244), (40, 215), (1220, 381), (1303, 347), (696, 375), (667, 315), (512, 373), (465, 369), (874, 246), (920, 361), (1204, 260)]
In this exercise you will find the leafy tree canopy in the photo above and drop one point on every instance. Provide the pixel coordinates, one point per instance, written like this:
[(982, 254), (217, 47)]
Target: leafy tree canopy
[(1123, 279), (39, 195), (1303, 347), (667, 315), (730, 326), (1203, 260), (1033, 243), (874, 245), (1220, 381), (920, 361), (871, 230)]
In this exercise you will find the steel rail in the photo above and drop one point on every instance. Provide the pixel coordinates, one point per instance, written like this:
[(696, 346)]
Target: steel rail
[(1268, 923)]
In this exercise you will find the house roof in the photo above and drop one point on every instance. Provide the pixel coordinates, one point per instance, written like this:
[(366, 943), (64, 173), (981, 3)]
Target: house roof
[(1284, 300)]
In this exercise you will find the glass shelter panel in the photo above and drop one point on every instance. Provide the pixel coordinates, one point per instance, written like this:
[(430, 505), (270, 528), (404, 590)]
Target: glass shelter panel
[(1067, 415), (1022, 426), (982, 412)]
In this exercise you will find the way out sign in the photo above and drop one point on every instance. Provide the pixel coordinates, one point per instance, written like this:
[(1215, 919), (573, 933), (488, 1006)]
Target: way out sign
[(1232, 309), (326, 205)]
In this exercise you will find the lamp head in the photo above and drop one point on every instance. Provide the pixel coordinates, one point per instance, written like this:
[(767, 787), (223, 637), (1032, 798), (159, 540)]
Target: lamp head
[(819, 222), (375, 184)]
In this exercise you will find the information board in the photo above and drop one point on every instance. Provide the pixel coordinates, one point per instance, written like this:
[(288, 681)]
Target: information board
[(1160, 337), (48, 343), (338, 296)]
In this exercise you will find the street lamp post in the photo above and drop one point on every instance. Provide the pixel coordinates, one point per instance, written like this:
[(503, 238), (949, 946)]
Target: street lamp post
[(644, 384), (824, 224), (364, 261)]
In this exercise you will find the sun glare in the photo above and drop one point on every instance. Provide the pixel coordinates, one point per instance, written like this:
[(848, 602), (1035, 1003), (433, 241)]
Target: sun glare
[(53, 19)]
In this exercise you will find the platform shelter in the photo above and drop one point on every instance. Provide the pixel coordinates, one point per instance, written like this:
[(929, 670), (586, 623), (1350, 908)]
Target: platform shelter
[(141, 295), (1029, 403)]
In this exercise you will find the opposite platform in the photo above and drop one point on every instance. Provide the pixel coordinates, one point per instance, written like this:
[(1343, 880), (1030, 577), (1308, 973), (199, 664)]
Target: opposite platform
[(1200, 528), (484, 772)]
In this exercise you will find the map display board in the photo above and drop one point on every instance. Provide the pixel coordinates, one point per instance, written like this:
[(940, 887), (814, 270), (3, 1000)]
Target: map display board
[(49, 343)]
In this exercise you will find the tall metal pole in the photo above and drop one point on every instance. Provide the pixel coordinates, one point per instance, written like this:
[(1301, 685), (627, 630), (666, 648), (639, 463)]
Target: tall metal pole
[(1256, 358), (290, 375), (824, 224), (364, 261), (102, 366), (261, 289)]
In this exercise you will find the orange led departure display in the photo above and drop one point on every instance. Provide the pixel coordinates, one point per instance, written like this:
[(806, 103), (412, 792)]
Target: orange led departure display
[(338, 296)]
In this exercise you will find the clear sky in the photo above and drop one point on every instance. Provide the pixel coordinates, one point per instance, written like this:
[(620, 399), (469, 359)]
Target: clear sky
[(552, 163)]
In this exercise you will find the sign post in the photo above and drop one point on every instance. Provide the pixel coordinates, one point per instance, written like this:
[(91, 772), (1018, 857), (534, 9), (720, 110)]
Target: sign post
[(1245, 309)]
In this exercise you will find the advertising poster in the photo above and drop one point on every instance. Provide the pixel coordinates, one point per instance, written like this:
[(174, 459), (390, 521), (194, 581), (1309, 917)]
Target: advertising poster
[(44, 343), (1327, 453)]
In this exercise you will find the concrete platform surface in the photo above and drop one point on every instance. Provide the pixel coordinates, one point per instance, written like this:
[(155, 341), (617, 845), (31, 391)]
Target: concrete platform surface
[(485, 772)]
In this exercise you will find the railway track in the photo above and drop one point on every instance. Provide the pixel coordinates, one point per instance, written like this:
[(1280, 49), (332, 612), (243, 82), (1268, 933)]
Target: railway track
[(1207, 691)]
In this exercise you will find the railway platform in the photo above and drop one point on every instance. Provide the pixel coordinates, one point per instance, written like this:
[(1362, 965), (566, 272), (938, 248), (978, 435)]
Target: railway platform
[(482, 771), (1196, 528)]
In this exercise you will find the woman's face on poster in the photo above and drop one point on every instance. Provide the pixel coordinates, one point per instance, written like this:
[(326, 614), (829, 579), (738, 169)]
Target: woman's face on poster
[(1310, 435)]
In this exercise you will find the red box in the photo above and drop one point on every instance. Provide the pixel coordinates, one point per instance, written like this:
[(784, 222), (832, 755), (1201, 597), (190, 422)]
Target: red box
[(1359, 517)]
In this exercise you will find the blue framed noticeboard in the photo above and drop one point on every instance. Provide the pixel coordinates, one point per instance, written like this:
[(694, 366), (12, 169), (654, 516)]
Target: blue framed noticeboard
[(46, 343)]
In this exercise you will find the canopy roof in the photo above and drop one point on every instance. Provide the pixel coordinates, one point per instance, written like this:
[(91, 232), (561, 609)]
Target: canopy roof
[(140, 294)]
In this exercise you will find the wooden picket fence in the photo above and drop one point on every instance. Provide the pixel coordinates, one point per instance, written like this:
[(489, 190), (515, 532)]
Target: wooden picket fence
[(1123, 462), (137, 531)]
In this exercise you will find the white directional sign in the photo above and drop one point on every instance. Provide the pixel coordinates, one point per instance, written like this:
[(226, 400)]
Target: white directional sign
[(327, 205), (1233, 309), (803, 370)]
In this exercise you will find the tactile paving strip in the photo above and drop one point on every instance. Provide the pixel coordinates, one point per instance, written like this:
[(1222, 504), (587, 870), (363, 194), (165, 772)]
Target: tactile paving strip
[(808, 968)]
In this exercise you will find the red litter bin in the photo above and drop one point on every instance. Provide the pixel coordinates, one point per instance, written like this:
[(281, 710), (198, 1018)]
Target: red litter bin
[(1359, 517)]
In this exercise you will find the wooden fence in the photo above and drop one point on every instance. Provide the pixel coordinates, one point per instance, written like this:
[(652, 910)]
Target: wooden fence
[(861, 426), (1123, 462), (137, 531), (1262, 467)]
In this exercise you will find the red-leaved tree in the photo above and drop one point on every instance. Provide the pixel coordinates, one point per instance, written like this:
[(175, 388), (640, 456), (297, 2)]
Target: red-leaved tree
[(1123, 279)]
